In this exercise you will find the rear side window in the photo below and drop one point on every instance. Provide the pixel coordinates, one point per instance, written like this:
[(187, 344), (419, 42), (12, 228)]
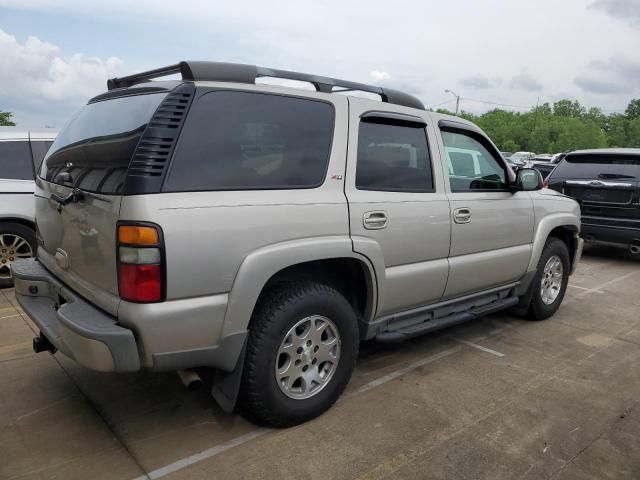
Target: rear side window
[(244, 141), (39, 149), (93, 151), (15, 160), (393, 157), (602, 167)]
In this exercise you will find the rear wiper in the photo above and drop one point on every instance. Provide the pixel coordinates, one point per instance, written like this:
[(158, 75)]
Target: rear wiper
[(75, 196), (614, 175)]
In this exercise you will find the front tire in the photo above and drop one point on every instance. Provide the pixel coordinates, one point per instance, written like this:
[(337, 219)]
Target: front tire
[(551, 280), (302, 349)]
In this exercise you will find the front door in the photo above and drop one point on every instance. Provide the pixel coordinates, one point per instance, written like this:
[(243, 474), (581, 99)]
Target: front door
[(397, 204), (492, 227)]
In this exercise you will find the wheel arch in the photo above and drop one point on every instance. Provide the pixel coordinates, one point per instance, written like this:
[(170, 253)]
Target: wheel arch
[(20, 220), (330, 259), (564, 226)]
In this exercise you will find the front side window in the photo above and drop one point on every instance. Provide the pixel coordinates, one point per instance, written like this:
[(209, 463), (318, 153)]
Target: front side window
[(393, 157), (15, 160), (471, 166), (251, 141)]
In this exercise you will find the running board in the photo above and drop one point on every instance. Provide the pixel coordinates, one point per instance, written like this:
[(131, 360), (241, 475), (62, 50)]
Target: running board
[(434, 324)]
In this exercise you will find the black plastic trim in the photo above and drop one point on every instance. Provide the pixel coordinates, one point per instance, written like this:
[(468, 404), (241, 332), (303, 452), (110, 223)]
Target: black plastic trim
[(151, 158)]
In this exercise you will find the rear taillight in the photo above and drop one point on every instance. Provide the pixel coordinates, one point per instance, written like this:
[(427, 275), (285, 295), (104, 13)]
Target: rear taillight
[(140, 263), (545, 184)]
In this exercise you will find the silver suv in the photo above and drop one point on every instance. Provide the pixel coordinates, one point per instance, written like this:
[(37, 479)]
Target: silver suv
[(21, 153), (265, 231)]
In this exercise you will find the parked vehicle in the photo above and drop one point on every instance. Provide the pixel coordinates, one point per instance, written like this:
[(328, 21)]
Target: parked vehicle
[(606, 184), (506, 155), (545, 168), (523, 157), (21, 153), (265, 231)]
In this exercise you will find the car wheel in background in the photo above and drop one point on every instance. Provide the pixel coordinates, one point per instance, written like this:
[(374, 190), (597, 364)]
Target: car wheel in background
[(16, 241)]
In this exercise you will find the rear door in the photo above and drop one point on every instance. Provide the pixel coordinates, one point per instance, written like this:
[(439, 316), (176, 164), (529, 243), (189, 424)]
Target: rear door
[(397, 203), (492, 227), (606, 185), (90, 155)]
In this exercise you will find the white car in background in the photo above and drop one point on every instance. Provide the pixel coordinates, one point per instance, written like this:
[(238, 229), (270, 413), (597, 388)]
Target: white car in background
[(21, 153)]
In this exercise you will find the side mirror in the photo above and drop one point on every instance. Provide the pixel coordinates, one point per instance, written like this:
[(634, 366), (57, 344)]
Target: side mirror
[(528, 179)]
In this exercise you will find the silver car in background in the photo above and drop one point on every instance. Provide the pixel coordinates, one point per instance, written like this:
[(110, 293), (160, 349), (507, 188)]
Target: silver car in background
[(21, 153)]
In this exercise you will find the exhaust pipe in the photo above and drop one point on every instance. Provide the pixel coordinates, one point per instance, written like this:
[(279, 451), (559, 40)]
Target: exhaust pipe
[(190, 379), (634, 248)]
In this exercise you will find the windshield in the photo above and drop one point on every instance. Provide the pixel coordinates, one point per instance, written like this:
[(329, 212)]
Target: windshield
[(93, 151)]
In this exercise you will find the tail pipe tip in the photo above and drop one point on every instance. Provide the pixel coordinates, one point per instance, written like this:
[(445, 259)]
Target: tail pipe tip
[(190, 379)]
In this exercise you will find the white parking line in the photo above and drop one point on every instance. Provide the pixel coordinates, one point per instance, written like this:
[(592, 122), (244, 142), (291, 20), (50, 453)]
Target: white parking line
[(398, 373), (208, 453), (586, 289), (610, 282), (479, 347), (213, 451), (9, 316)]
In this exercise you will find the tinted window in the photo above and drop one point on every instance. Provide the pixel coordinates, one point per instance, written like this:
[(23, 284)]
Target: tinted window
[(393, 157), (243, 141), (599, 167), (15, 160), (39, 150), (470, 164), (93, 151)]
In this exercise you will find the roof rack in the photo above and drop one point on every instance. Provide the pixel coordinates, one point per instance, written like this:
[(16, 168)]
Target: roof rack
[(240, 73)]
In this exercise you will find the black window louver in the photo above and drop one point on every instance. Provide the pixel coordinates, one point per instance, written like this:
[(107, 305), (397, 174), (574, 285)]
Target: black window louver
[(153, 153)]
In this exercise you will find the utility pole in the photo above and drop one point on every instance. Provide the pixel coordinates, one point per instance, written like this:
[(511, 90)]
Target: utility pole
[(457, 99), (535, 121)]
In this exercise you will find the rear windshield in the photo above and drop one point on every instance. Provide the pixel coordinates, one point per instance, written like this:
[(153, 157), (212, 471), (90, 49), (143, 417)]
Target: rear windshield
[(248, 141), (599, 167), (15, 160), (93, 151)]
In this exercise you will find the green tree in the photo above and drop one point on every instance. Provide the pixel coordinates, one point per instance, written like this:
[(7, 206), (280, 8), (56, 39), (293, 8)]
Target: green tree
[(633, 109), (568, 108), (5, 119)]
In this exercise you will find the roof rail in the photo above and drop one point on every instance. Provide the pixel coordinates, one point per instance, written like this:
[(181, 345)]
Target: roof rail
[(240, 73)]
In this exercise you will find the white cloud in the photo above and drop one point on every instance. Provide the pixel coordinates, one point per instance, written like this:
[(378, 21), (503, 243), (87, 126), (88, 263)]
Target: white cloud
[(426, 51), (36, 70), (379, 77)]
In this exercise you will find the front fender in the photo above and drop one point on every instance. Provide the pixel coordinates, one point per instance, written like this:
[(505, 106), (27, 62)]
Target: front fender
[(259, 266), (545, 227)]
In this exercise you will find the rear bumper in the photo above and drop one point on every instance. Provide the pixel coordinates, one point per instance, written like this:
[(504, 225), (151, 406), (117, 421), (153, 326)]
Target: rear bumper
[(76, 328), (594, 231)]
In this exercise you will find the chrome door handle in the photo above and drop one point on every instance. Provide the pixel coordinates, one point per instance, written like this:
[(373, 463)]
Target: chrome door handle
[(375, 220), (462, 215)]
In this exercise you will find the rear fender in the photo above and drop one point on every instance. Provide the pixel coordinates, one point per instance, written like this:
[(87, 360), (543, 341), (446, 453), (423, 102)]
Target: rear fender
[(259, 266)]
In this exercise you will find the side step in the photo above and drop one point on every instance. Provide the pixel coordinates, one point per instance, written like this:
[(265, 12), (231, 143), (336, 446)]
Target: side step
[(432, 325)]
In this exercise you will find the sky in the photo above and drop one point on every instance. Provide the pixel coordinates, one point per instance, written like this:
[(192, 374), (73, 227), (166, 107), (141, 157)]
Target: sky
[(56, 54)]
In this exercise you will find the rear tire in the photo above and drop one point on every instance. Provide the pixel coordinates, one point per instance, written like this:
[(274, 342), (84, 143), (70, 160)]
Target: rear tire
[(16, 241), (293, 373), (551, 280)]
